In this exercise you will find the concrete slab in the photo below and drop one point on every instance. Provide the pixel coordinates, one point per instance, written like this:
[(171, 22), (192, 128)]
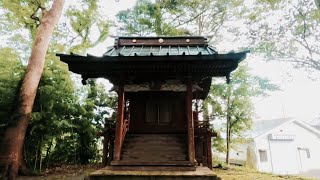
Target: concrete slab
[(201, 173)]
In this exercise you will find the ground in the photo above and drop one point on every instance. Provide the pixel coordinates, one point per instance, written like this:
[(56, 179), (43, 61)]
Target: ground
[(64, 172), (312, 173), (237, 172), (68, 172)]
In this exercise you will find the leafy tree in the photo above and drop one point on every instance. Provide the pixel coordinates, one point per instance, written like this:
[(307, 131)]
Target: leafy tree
[(232, 102), (178, 17), (89, 120), (56, 107), (285, 30), (14, 135), (53, 111), (83, 22), (10, 80), (147, 18)]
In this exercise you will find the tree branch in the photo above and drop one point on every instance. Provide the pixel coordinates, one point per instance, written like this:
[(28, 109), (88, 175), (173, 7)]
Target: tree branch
[(193, 18)]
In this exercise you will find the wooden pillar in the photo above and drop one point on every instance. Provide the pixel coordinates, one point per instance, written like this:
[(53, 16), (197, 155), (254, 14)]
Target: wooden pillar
[(119, 124), (190, 124), (111, 152), (105, 149), (209, 150)]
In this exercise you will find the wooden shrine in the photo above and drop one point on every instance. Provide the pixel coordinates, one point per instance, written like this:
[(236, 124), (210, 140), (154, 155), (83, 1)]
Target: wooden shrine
[(158, 79)]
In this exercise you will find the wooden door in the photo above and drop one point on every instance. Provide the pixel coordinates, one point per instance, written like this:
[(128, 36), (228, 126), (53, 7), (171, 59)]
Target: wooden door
[(157, 112)]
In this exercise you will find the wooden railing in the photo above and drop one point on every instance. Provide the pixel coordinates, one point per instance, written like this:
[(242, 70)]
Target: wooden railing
[(125, 127), (201, 124), (203, 133)]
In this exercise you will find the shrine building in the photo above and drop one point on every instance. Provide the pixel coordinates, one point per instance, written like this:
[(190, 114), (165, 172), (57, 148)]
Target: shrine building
[(159, 81)]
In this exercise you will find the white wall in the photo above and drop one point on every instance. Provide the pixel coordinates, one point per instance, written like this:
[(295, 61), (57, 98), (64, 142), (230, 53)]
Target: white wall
[(239, 155), (289, 156), (263, 144)]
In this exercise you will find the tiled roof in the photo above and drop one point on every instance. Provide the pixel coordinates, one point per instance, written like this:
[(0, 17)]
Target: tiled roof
[(160, 46), (144, 59), (160, 51)]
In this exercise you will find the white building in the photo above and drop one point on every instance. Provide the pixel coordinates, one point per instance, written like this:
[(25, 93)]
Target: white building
[(281, 146)]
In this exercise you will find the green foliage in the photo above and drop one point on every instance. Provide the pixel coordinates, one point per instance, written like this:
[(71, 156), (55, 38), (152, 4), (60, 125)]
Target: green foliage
[(64, 124), (25, 13), (83, 21), (63, 128), (10, 79), (146, 18), (233, 101), (179, 17)]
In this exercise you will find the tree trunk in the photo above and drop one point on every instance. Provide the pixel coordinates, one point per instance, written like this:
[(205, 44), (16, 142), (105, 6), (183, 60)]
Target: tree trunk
[(228, 141), (228, 134), (13, 140), (47, 154)]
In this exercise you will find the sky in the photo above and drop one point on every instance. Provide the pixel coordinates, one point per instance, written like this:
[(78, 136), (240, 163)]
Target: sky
[(299, 96)]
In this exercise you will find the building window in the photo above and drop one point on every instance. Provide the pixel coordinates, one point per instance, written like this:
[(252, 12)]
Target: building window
[(305, 151), (263, 155), (308, 153)]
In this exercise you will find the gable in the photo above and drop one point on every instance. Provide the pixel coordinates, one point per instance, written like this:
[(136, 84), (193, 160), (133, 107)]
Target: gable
[(292, 130)]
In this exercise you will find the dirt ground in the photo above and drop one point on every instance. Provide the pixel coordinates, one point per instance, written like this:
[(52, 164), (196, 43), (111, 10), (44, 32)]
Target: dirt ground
[(68, 172), (64, 172)]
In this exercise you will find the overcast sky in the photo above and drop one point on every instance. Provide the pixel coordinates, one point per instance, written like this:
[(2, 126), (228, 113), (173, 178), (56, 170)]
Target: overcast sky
[(300, 95)]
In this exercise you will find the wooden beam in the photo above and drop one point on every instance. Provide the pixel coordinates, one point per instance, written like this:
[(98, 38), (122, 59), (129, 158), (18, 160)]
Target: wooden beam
[(191, 149), (119, 124)]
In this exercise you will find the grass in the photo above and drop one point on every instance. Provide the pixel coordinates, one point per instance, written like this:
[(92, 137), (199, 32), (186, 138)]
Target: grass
[(238, 172)]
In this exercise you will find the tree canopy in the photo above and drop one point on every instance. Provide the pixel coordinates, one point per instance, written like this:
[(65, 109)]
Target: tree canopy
[(63, 125), (285, 30), (233, 103)]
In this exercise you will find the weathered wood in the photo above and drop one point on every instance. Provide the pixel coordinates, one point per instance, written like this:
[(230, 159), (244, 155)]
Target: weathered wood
[(138, 103), (153, 163), (119, 124), (152, 168), (166, 41), (200, 173), (105, 150), (209, 151), (191, 149), (111, 151), (154, 148)]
